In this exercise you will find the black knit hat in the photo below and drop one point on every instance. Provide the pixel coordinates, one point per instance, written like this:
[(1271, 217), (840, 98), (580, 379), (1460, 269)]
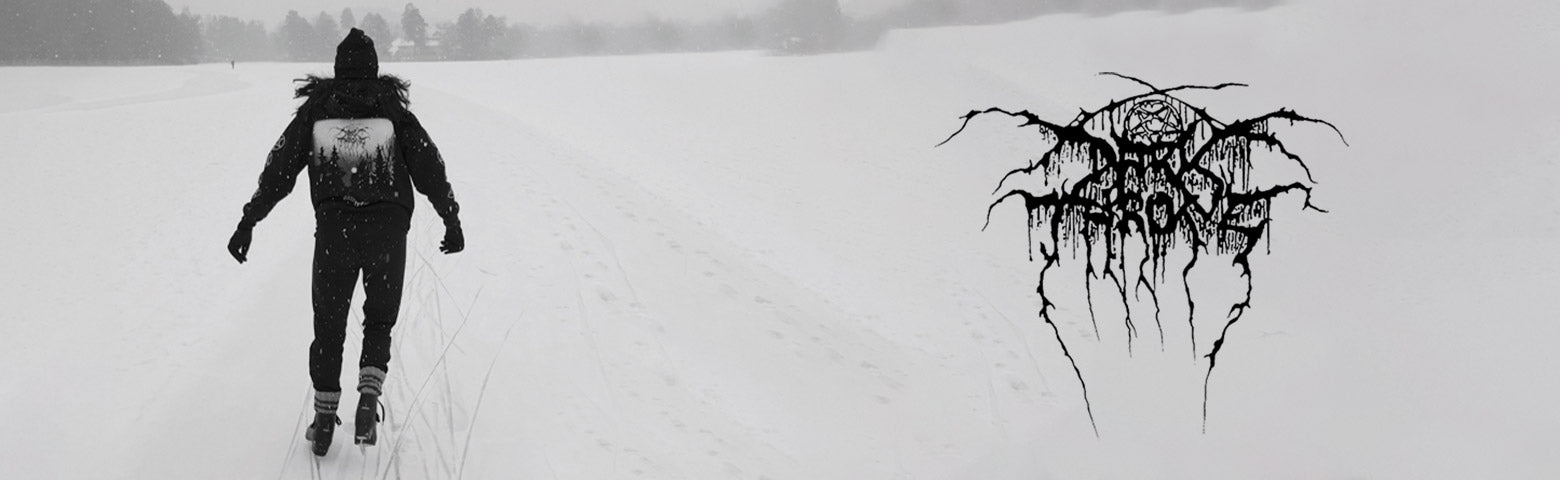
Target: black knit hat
[(355, 57)]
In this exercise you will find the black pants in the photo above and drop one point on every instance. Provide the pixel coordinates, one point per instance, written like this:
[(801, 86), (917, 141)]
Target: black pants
[(370, 240)]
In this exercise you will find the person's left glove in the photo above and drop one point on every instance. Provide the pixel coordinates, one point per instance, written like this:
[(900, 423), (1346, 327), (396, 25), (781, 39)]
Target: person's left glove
[(239, 244), (454, 239)]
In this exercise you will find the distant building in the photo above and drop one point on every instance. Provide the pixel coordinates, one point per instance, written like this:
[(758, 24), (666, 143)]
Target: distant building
[(404, 50)]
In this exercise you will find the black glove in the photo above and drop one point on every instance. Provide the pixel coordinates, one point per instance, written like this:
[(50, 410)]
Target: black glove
[(454, 240), (239, 244)]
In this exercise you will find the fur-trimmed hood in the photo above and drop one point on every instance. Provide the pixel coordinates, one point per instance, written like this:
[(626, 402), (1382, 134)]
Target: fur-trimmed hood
[(385, 96)]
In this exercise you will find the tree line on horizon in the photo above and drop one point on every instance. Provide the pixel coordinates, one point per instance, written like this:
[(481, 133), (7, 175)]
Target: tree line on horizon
[(128, 32)]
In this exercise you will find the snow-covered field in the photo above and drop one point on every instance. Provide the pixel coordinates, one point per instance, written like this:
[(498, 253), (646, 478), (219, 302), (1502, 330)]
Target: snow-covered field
[(736, 265)]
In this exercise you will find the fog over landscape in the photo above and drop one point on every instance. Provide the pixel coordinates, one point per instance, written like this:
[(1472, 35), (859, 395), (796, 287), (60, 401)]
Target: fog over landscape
[(534, 11), (121, 32)]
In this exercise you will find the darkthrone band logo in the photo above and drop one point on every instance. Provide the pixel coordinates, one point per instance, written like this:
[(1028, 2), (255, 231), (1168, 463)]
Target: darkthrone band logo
[(1145, 188)]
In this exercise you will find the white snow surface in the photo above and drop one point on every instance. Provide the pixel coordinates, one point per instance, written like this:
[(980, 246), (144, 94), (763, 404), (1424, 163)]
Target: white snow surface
[(737, 265)]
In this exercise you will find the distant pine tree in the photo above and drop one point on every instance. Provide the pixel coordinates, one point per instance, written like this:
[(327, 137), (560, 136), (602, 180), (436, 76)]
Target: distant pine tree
[(296, 37)]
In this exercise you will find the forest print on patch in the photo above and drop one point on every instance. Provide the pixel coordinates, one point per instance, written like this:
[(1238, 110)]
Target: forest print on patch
[(361, 150)]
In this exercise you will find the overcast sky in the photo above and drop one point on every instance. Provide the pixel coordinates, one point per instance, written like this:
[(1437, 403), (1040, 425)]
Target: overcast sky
[(526, 11)]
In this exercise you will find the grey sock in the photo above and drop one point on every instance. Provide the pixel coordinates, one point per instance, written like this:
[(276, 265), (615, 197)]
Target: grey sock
[(326, 402), (371, 380)]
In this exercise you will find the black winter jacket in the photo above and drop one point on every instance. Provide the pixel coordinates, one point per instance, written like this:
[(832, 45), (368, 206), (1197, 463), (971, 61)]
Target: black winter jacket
[(363, 149)]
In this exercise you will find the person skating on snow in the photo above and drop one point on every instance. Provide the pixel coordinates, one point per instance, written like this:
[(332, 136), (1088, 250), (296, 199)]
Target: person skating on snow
[(365, 152)]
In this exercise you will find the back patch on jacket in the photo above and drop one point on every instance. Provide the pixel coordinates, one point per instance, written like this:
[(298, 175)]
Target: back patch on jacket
[(358, 151)]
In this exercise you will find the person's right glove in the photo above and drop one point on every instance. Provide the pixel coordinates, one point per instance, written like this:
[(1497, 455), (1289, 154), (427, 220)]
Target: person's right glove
[(454, 239), (238, 246)]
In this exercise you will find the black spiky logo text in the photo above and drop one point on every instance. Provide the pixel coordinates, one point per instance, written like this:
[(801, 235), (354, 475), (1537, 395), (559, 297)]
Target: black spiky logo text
[(1153, 172)]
